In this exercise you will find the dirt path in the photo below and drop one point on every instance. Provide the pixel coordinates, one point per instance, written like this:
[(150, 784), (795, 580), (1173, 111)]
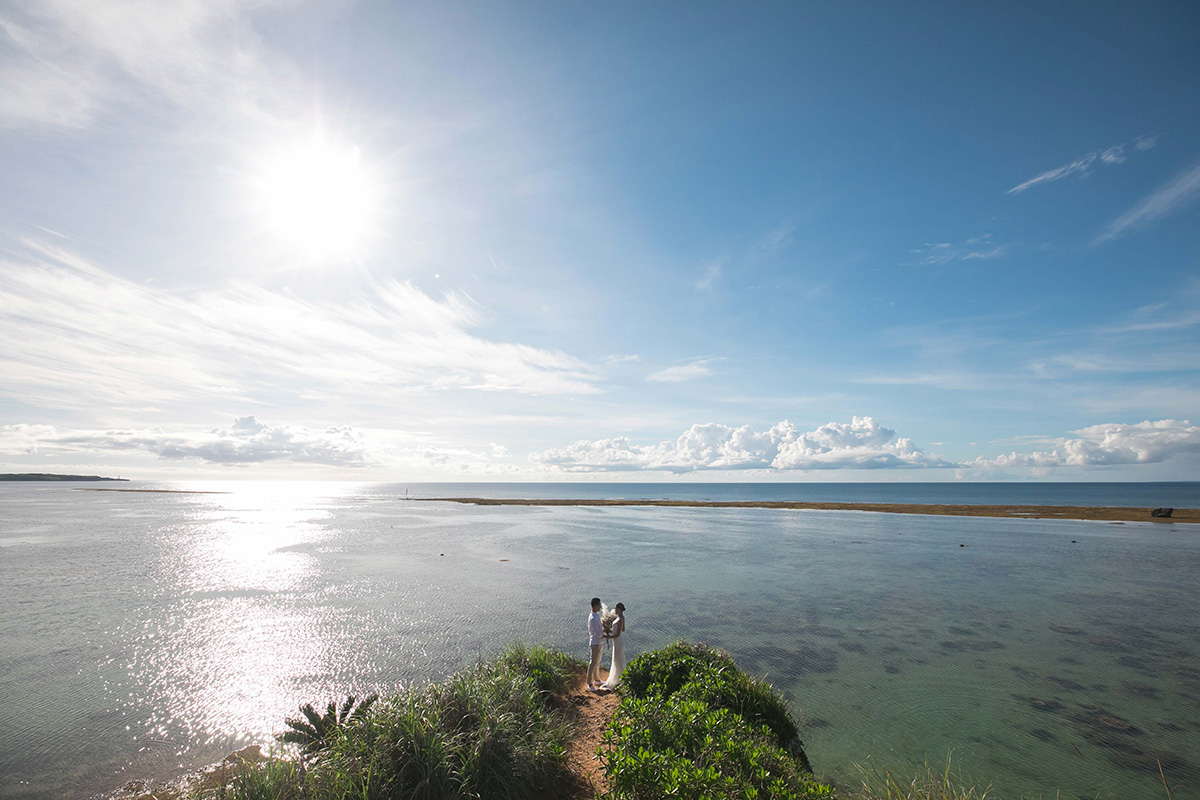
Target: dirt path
[(592, 712)]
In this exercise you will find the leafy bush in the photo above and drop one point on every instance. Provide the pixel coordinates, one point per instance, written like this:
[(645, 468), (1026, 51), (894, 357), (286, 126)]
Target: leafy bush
[(693, 725), (664, 672), (489, 731), (751, 698), (684, 748)]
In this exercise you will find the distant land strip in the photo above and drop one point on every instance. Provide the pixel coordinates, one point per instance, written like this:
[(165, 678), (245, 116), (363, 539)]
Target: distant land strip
[(1098, 513), (156, 491), (47, 476)]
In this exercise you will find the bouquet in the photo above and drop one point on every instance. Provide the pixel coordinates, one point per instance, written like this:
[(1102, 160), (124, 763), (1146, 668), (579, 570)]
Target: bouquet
[(607, 619)]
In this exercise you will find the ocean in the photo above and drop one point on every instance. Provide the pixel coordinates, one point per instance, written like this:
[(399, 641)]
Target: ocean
[(145, 634)]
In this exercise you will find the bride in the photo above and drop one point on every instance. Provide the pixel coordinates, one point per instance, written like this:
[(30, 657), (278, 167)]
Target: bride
[(616, 627)]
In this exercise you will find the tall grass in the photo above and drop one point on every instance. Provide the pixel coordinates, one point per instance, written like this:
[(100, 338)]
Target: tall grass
[(491, 730), (928, 783)]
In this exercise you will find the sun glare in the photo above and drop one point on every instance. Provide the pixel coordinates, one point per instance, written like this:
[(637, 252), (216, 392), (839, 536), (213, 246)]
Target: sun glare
[(317, 198)]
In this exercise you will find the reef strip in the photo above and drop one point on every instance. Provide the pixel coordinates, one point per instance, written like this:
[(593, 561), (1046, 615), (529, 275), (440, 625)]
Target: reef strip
[(152, 491), (1098, 513)]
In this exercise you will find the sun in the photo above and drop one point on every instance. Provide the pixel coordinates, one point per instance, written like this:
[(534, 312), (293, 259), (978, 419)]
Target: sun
[(317, 198)]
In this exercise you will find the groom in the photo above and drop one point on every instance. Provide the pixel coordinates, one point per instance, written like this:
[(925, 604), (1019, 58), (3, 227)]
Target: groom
[(596, 635)]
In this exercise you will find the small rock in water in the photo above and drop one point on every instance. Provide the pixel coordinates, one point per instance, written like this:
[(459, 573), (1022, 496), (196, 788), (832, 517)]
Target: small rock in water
[(962, 545)]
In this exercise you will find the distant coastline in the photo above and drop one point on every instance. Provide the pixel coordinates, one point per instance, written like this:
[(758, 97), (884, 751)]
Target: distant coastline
[(1097, 513), (47, 476)]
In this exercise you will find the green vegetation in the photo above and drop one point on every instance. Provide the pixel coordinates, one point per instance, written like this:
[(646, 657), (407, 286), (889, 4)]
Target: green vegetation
[(693, 725), (690, 725), (880, 783), (316, 731), (492, 730)]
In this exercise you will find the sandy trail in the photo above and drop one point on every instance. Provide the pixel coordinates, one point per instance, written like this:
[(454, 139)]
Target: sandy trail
[(592, 712)]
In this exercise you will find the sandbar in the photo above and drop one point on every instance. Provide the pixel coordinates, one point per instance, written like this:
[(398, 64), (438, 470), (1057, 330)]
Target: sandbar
[(1098, 513), (155, 491)]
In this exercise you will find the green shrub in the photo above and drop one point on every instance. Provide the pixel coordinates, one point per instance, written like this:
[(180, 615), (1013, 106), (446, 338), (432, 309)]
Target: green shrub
[(684, 748), (663, 672), (491, 730), (693, 725), (751, 698), (549, 669)]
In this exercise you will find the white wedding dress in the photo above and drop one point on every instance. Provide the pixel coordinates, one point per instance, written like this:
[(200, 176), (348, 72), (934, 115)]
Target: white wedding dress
[(618, 660)]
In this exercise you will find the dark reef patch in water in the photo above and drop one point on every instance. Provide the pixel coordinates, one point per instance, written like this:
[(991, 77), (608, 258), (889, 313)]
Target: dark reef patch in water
[(1108, 644), (1139, 690), (853, 647), (891, 669), (821, 630), (1039, 704), (960, 646), (957, 631), (1044, 735), (1067, 629), (1137, 664), (778, 660), (1066, 683), (1022, 672)]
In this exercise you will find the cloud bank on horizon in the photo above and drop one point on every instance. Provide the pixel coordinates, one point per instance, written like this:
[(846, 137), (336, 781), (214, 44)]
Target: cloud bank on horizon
[(861, 444), (538, 253)]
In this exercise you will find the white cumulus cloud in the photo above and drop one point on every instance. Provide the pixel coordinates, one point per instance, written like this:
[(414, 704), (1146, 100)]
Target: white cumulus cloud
[(1146, 442), (860, 444)]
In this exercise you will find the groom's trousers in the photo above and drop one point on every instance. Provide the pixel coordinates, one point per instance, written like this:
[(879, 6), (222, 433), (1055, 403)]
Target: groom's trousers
[(593, 676)]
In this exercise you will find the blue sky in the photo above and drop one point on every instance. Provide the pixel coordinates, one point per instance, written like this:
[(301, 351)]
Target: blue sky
[(712, 241)]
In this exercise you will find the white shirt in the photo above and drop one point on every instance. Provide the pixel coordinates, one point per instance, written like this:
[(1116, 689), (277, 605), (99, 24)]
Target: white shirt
[(595, 628)]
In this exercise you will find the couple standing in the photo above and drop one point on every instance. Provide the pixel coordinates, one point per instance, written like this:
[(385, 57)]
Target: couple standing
[(605, 625)]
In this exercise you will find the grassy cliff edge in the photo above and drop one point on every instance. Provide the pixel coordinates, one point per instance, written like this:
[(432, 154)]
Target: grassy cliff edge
[(690, 724)]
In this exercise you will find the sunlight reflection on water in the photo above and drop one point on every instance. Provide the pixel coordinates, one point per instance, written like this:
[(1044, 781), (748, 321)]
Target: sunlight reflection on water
[(154, 631)]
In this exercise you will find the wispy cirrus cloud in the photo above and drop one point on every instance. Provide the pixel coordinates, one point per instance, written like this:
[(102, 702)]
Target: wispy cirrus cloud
[(709, 276), (860, 444), (91, 339), (68, 59), (697, 368), (1174, 194), (1111, 444), (981, 247), (1117, 154)]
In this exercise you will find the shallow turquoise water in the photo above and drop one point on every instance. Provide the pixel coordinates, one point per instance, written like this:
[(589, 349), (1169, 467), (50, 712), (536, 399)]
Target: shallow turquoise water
[(145, 633)]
